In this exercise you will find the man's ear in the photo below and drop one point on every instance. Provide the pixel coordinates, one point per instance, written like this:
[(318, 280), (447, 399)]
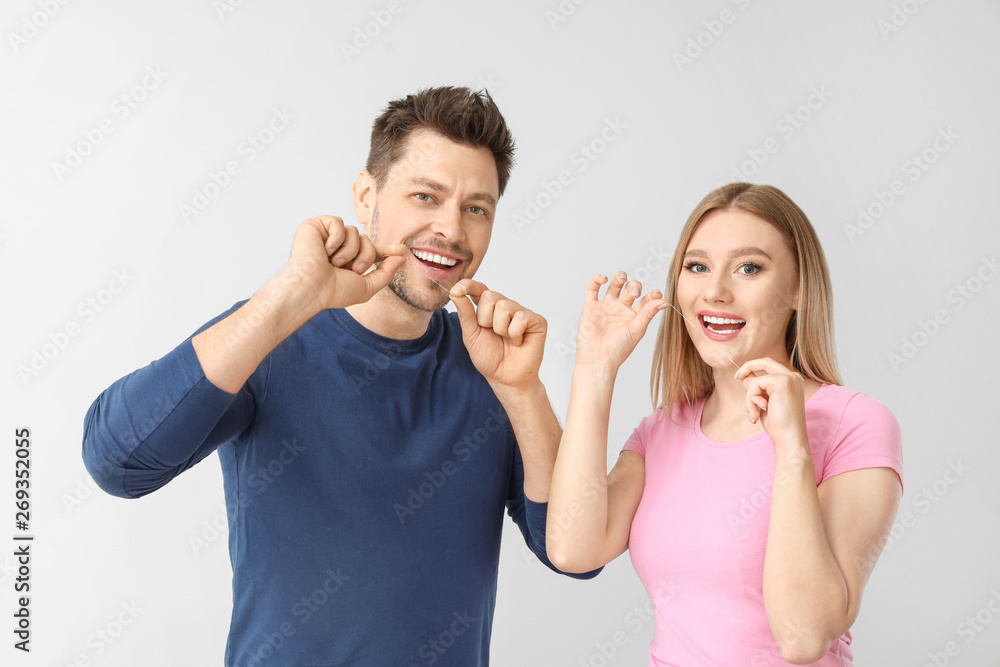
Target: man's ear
[(364, 197)]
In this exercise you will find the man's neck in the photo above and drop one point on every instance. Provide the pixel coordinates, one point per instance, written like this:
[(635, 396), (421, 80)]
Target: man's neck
[(387, 315)]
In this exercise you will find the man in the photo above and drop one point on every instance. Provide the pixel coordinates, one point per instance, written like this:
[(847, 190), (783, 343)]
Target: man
[(369, 440)]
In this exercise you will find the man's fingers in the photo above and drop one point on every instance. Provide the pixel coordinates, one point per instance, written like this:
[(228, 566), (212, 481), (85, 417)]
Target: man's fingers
[(523, 321), (333, 228), (501, 319), (349, 247), (466, 313), (365, 256), (383, 250), (471, 288), (383, 273)]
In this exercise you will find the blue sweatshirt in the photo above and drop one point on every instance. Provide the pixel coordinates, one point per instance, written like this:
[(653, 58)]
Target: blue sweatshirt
[(365, 481)]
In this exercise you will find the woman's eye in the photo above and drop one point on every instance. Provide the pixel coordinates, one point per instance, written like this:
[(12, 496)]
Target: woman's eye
[(695, 267), (753, 269)]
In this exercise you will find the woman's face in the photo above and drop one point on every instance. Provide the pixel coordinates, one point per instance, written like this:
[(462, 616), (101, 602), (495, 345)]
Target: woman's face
[(738, 286)]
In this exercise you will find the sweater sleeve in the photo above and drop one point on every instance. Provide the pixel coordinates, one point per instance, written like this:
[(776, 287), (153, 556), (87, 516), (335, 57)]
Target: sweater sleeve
[(160, 420), (530, 517)]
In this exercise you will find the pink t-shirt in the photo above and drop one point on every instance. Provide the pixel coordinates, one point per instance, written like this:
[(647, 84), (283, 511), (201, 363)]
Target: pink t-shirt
[(699, 535)]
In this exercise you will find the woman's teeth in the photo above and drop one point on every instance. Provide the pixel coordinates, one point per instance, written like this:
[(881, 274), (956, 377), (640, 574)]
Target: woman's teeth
[(437, 259), (711, 320)]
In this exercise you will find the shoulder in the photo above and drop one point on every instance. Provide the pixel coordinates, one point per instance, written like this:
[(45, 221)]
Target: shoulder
[(853, 430), (847, 408)]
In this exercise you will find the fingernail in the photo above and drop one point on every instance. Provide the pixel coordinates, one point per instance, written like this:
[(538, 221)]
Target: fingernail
[(635, 290), (361, 266), (339, 261)]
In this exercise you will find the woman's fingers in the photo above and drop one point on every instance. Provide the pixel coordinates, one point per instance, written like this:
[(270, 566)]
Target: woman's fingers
[(594, 288), (615, 287)]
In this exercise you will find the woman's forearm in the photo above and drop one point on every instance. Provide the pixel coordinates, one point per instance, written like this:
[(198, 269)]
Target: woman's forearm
[(577, 522), (805, 594)]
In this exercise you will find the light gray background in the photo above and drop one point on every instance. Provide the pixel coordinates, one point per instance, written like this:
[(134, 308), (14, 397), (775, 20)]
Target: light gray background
[(682, 130)]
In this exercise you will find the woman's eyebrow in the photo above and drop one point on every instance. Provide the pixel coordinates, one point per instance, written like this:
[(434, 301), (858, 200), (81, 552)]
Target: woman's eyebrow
[(735, 252)]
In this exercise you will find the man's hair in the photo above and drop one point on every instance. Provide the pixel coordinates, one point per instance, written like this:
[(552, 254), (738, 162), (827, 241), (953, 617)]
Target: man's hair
[(459, 114)]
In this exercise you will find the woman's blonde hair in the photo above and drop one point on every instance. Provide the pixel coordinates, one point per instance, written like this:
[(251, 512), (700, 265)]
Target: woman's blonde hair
[(680, 376)]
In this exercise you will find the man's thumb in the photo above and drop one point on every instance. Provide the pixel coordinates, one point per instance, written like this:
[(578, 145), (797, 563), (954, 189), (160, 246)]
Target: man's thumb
[(466, 312), (383, 274)]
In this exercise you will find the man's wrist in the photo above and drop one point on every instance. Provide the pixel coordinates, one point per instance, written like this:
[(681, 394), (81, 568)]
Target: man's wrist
[(512, 396), (289, 300)]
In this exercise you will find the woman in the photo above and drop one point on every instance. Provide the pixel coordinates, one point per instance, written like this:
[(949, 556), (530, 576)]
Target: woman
[(757, 498)]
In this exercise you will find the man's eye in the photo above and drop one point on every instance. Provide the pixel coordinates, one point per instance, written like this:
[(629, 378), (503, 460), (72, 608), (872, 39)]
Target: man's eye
[(423, 196), (477, 210)]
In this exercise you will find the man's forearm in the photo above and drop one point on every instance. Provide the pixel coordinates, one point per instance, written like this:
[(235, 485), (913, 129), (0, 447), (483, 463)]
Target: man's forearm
[(231, 350), (538, 434)]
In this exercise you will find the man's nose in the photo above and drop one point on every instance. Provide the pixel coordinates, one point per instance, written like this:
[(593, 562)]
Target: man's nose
[(448, 224)]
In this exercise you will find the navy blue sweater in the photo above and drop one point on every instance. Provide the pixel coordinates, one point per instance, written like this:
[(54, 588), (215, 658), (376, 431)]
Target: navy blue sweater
[(365, 480)]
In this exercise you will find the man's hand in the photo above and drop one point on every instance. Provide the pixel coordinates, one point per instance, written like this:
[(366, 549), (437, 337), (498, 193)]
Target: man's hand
[(505, 340), (326, 270), (329, 261)]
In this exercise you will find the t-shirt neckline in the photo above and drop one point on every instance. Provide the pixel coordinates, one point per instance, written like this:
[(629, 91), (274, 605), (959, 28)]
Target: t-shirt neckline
[(704, 439), (382, 343)]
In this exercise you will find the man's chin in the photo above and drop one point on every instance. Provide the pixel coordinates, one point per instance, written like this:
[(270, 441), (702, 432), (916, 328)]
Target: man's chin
[(424, 300)]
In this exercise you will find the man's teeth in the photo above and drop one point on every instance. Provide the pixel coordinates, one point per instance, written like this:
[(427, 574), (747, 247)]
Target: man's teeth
[(437, 259)]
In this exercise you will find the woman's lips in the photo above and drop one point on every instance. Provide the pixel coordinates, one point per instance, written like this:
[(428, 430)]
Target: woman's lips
[(720, 330)]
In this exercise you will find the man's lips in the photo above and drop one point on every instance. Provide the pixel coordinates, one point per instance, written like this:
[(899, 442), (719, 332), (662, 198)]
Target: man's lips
[(435, 260), (441, 267)]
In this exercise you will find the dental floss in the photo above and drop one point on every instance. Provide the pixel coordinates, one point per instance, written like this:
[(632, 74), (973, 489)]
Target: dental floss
[(439, 284)]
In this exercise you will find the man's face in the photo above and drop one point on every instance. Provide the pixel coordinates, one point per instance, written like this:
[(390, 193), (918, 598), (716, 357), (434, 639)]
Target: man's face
[(439, 199)]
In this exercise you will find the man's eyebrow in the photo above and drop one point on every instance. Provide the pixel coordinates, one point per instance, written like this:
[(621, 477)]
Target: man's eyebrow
[(431, 184), (484, 197), (735, 252), (428, 183)]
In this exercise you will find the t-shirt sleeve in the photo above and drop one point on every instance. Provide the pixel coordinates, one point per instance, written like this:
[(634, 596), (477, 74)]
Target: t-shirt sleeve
[(636, 442), (869, 437)]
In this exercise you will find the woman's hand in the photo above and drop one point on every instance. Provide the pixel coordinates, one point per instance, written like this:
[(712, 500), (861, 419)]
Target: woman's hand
[(610, 327), (775, 398)]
